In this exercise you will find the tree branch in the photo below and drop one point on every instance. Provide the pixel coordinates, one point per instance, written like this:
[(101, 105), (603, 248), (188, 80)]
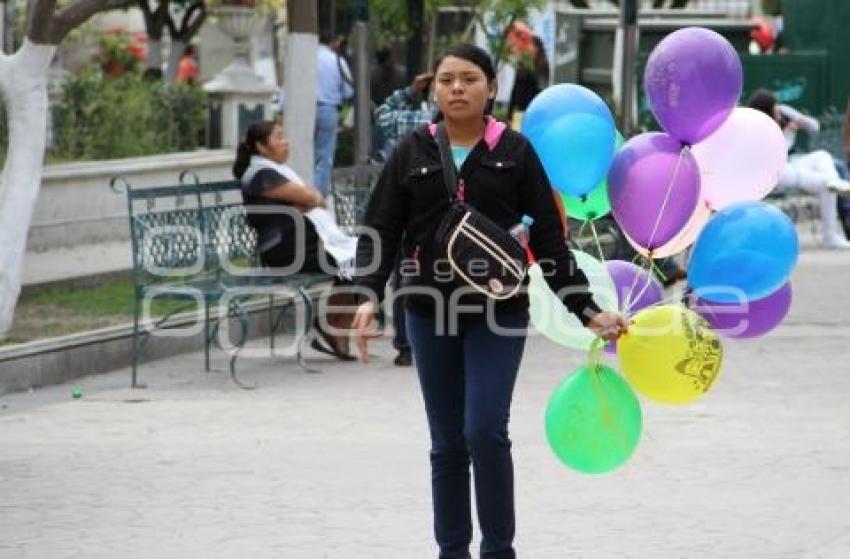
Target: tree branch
[(40, 20), (196, 24), (147, 12), (188, 25), (155, 19), (49, 27)]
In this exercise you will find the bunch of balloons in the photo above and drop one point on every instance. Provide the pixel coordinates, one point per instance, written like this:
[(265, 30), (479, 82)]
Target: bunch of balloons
[(699, 182)]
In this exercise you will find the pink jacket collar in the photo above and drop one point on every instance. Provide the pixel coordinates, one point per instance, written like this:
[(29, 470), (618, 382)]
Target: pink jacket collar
[(493, 131)]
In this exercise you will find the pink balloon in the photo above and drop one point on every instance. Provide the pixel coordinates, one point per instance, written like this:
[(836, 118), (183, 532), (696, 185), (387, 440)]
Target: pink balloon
[(653, 187), (742, 160), (683, 239)]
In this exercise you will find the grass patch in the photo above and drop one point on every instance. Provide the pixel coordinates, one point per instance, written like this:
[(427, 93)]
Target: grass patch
[(110, 299), (60, 311)]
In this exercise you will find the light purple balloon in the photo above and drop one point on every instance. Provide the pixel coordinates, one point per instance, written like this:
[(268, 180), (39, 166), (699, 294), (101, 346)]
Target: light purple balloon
[(636, 289), (747, 319), (692, 80), (643, 171)]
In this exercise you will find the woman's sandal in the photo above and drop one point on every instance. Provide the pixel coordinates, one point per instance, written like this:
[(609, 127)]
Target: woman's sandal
[(331, 348)]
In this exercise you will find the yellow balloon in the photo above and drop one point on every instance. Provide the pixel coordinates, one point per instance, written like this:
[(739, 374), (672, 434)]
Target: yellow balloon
[(670, 354)]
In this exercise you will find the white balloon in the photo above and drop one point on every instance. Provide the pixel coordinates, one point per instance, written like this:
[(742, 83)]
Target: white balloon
[(549, 315), (742, 160)]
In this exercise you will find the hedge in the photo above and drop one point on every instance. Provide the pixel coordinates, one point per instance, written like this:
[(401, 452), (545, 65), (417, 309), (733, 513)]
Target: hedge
[(101, 117)]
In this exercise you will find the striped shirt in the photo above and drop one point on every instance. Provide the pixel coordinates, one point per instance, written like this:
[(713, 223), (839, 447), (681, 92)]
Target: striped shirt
[(397, 116)]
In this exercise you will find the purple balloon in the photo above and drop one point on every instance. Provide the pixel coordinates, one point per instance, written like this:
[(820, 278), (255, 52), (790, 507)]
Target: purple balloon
[(693, 80), (636, 289), (643, 171), (747, 319)]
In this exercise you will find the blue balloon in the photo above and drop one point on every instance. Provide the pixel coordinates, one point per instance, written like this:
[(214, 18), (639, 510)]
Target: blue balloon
[(560, 100), (576, 151), (746, 251)]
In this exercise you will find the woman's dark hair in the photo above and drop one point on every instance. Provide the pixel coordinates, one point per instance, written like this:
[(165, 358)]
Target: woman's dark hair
[(477, 56), (541, 63), (258, 132), (764, 101)]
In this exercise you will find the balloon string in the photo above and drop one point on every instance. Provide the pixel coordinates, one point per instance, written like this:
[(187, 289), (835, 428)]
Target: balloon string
[(667, 195), (649, 263), (652, 269), (655, 269), (594, 359), (582, 229), (596, 240), (594, 355)]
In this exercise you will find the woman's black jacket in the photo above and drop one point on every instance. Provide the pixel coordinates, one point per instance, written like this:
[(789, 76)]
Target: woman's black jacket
[(503, 178)]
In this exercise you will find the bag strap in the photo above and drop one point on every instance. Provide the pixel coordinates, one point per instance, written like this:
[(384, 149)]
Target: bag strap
[(446, 160)]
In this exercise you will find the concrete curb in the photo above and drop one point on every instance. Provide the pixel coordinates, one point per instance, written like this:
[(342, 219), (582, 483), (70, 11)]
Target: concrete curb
[(57, 360)]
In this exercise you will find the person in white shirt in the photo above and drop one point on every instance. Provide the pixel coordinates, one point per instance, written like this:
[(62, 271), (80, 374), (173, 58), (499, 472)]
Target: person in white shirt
[(813, 172), (333, 86)]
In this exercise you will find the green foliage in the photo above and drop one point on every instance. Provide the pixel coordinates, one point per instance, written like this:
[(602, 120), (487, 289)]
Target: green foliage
[(771, 7), (262, 7), (120, 52), (390, 20), (496, 18), (105, 118)]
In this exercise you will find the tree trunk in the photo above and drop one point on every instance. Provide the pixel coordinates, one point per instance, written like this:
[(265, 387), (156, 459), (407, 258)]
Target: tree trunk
[(299, 84), (181, 34), (23, 83), (415, 13), (174, 55), (154, 53)]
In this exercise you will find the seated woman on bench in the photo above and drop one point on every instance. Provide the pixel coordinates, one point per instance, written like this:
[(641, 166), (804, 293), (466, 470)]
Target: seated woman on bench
[(267, 181), (813, 172)]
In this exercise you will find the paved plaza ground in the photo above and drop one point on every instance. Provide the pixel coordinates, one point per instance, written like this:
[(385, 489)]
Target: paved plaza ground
[(335, 465)]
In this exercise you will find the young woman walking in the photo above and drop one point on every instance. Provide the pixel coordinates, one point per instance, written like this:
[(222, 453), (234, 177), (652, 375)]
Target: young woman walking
[(467, 361)]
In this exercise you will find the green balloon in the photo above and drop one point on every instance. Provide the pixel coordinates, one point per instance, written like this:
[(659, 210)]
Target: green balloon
[(593, 420), (594, 204)]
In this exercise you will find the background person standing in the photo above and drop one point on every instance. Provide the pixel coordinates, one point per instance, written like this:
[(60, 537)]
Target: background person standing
[(333, 86)]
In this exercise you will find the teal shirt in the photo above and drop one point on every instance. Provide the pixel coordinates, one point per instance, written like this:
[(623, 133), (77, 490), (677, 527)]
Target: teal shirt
[(459, 154)]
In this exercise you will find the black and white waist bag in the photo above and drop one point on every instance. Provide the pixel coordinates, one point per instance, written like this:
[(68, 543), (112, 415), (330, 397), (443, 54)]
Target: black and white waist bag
[(482, 254)]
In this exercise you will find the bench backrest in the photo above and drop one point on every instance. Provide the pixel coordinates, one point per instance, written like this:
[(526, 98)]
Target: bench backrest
[(188, 230), (831, 135), (184, 231), (351, 196), (230, 236)]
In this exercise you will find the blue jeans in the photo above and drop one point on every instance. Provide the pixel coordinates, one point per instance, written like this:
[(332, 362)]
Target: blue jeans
[(467, 383), (400, 341), (327, 126)]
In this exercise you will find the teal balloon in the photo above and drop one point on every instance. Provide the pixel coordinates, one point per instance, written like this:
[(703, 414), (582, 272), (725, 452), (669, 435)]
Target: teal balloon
[(576, 151), (593, 420), (560, 100), (745, 252), (594, 204)]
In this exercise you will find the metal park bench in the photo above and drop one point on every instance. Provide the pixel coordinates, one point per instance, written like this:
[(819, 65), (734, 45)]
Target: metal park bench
[(191, 243)]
